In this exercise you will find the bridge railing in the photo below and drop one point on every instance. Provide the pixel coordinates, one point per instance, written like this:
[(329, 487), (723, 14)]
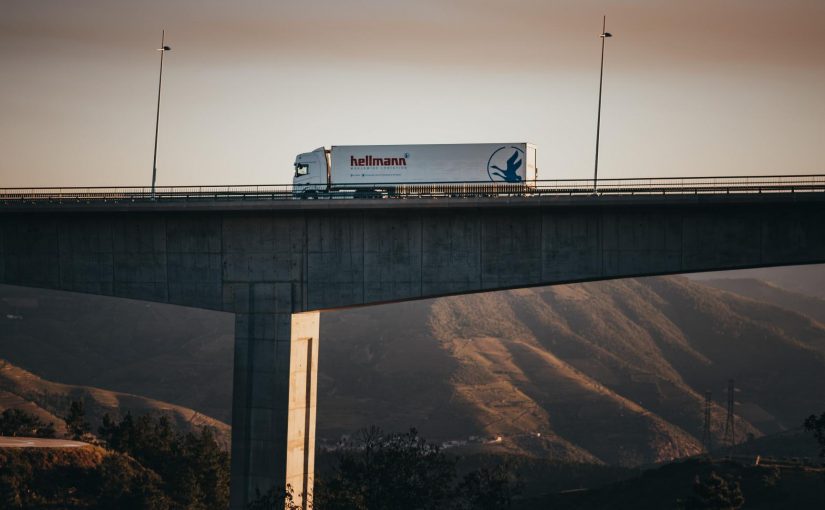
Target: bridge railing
[(627, 186)]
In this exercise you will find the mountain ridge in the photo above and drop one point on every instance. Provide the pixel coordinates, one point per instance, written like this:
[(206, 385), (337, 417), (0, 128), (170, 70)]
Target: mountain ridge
[(50, 401)]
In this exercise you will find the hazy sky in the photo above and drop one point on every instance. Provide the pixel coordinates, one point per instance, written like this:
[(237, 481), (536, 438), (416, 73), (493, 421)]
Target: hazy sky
[(692, 87)]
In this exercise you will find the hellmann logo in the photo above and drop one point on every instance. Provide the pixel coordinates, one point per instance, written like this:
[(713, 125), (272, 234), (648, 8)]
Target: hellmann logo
[(374, 161)]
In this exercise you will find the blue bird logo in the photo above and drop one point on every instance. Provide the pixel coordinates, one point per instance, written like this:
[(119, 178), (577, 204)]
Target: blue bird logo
[(509, 174)]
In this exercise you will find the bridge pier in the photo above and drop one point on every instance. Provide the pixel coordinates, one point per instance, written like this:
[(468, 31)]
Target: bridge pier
[(274, 393)]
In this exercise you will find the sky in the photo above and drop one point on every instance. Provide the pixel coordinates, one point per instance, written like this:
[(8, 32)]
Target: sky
[(691, 87)]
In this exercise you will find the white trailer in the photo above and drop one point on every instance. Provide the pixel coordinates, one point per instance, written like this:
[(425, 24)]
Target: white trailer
[(386, 168)]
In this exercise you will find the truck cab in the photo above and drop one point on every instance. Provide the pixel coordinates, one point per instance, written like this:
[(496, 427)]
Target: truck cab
[(311, 172)]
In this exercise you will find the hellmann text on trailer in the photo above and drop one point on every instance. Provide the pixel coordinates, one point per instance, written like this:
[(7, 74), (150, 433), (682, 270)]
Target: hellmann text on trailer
[(385, 168)]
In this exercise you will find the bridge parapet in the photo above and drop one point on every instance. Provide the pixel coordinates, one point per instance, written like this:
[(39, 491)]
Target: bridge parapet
[(539, 188)]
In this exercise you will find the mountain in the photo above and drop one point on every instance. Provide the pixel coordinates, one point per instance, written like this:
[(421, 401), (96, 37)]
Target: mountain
[(168, 353), (808, 280), (794, 444), (607, 372), (49, 401), (610, 371), (758, 290)]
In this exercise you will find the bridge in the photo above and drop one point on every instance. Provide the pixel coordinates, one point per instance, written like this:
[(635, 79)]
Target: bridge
[(536, 189), (277, 262)]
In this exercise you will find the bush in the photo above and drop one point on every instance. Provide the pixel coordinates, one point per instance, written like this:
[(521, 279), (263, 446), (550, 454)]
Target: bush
[(193, 468), (15, 422), (816, 425), (402, 471), (716, 493), (126, 485), (76, 420)]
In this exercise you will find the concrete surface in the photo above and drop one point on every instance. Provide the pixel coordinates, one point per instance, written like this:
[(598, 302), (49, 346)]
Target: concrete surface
[(268, 262), (36, 442)]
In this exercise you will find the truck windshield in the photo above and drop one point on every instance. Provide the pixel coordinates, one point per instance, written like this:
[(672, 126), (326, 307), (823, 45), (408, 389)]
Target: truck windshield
[(301, 169)]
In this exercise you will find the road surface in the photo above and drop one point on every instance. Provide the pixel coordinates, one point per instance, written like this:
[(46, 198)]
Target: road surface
[(36, 442)]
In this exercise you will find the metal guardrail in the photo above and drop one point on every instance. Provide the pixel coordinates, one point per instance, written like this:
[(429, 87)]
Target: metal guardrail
[(631, 186)]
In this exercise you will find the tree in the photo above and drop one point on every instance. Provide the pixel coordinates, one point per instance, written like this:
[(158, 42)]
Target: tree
[(404, 472), (15, 422), (193, 467), (817, 426), (489, 488), (274, 499), (394, 471), (126, 485), (76, 420), (716, 493)]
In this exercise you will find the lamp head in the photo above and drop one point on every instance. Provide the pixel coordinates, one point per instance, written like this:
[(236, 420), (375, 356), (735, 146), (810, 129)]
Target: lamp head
[(606, 34), (165, 48)]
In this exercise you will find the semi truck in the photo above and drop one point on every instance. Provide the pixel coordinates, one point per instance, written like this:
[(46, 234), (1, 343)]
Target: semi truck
[(390, 169)]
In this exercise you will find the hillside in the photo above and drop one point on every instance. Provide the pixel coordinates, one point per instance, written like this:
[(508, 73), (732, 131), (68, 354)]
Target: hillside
[(50, 401), (168, 353), (798, 444), (612, 371), (672, 486), (807, 280), (144, 466), (607, 372), (758, 290)]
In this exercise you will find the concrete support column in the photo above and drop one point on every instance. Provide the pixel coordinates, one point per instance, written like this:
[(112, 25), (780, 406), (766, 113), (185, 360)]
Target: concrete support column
[(303, 376), (273, 425)]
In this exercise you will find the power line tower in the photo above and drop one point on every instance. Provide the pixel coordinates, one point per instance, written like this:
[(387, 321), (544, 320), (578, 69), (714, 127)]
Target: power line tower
[(706, 437), (730, 435)]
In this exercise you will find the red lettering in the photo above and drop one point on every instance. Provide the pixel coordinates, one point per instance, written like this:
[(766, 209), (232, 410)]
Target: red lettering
[(370, 160)]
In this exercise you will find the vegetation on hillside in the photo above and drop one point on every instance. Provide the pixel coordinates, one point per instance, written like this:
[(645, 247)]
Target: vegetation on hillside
[(76, 422), (404, 472), (146, 464), (194, 469), (816, 425), (61, 404), (607, 372), (16, 422), (380, 471), (715, 492), (699, 484)]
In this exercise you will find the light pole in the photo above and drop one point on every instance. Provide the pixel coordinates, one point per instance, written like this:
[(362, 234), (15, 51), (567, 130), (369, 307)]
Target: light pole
[(163, 49), (604, 35)]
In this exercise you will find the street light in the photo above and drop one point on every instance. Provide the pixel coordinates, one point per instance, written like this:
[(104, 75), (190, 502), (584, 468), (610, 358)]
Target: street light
[(604, 35), (163, 49)]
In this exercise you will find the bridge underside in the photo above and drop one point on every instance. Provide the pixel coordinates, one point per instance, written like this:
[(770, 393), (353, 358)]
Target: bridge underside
[(270, 263)]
